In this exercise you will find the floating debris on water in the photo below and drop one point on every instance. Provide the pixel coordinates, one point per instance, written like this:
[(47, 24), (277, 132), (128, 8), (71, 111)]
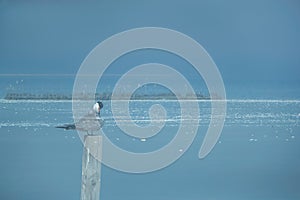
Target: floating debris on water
[(253, 140)]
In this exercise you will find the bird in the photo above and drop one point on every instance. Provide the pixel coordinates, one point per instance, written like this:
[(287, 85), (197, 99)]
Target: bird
[(89, 123)]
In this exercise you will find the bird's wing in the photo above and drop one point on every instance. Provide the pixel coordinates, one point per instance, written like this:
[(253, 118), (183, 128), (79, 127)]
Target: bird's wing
[(89, 122)]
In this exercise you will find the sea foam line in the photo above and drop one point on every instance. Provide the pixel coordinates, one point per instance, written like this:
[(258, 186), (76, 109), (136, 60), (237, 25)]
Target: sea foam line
[(162, 100)]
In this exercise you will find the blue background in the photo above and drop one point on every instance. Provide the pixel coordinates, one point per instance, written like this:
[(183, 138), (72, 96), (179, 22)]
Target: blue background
[(255, 44)]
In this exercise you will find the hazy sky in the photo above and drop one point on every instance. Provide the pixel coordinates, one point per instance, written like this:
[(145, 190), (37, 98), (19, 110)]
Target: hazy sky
[(250, 41)]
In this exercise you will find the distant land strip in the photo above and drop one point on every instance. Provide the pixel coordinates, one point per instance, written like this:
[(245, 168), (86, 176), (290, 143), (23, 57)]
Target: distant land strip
[(102, 96), (74, 75)]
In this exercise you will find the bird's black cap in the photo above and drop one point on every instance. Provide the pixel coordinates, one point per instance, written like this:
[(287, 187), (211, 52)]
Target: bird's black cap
[(100, 104)]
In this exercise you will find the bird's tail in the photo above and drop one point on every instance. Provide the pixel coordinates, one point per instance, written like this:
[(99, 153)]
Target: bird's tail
[(67, 127)]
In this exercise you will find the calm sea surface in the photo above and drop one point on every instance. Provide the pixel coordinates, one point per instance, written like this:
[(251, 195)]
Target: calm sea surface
[(256, 157)]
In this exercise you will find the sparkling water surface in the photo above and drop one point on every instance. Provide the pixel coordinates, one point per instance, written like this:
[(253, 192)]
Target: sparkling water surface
[(256, 157)]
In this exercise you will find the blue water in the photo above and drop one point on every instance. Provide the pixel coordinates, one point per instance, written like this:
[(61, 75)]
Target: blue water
[(256, 157)]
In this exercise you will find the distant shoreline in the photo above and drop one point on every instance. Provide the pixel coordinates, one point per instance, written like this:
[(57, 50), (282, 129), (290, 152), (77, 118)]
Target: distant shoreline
[(102, 96)]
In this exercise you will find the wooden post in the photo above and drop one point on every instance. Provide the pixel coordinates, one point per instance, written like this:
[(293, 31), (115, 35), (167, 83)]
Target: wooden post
[(91, 167)]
